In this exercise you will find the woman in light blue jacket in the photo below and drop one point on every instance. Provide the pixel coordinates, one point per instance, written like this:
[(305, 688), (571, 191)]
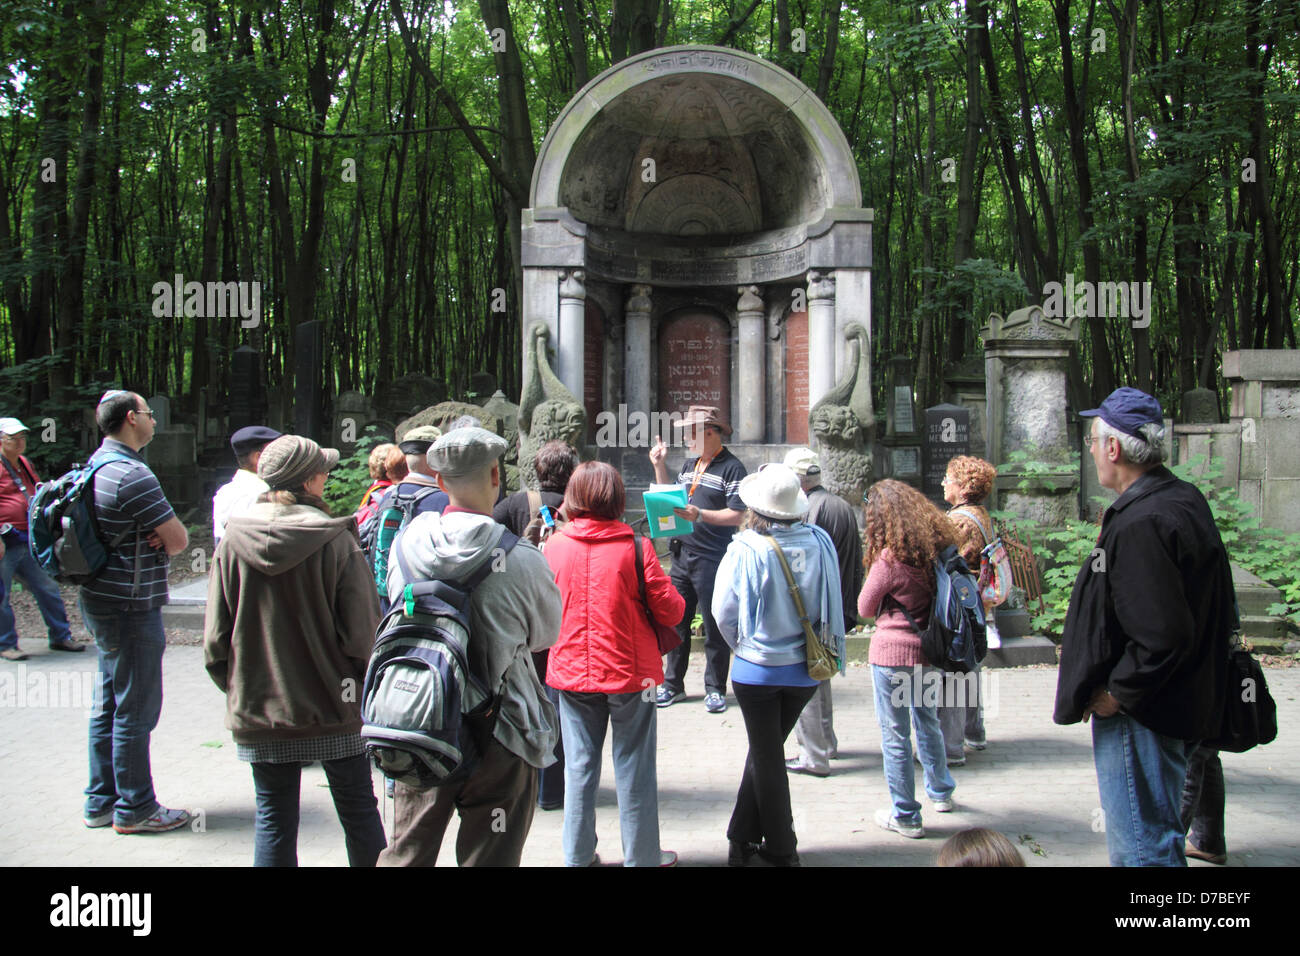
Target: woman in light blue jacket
[(756, 614)]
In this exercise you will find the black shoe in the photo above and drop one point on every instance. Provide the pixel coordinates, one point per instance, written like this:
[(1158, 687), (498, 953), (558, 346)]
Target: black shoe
[(739, 853), (551, 806), (766, 858)]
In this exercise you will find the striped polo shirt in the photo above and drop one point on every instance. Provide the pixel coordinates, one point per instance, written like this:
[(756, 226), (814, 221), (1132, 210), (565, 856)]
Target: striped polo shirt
[(128, 496), (718, 488)]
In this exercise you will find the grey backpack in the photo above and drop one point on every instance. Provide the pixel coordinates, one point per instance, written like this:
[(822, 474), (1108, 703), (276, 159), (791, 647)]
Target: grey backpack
[(426, 716)]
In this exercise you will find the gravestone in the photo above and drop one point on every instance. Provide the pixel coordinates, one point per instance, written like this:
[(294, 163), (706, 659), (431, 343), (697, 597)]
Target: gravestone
[(482, 385), (162, 411), (947, 435), (351, 416), (1200, 405), (508, 412), (308, 360), (900, 415), (695, 363), (404, 396), (247, 389)]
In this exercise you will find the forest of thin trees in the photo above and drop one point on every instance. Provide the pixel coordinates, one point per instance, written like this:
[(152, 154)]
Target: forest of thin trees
[(366, 161)]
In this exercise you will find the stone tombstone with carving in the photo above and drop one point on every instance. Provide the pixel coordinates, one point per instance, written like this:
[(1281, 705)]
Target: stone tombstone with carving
[(508, 412), (547, 410), (695, 363), (843, 422), (947, 435), (247, 389), (1026, 360)]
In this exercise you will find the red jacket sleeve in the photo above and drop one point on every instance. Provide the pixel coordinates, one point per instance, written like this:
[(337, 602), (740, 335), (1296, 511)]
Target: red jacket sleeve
[(667, 605)]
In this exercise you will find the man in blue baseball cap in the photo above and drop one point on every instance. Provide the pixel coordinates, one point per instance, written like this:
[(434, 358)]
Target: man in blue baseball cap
[(241, 492), (1144, 650)]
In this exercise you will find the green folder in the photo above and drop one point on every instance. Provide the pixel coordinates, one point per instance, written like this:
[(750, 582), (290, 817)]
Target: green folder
[(660, 500)]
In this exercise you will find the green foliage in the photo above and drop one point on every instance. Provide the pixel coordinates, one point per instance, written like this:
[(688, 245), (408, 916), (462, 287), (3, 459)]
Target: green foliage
[(349, 481), (1272, 555)]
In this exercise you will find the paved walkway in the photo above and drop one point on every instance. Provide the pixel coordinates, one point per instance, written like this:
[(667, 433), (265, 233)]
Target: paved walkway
[(1035, 782)]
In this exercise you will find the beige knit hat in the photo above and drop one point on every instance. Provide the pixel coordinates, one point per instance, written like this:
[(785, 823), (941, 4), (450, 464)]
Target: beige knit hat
[(291, 459)]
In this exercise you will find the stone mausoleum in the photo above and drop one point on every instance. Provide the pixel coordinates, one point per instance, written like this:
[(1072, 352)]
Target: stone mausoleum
[(696, 236)]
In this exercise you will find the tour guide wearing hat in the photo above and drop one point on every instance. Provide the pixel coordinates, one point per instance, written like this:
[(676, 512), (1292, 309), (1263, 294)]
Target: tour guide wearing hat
[(240, 493), (712, 480), (1144, 649)]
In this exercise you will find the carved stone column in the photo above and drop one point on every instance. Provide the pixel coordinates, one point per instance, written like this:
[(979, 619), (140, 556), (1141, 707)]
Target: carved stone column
[(569, 353), (821, 334), (636, 350), (750, 365)]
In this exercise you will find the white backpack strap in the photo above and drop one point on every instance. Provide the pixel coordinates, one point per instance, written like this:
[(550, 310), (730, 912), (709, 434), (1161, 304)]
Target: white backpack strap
[(988, 538)]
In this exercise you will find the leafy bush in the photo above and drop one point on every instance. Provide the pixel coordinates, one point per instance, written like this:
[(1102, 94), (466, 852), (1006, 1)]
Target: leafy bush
[(349, 481), (1272, 555)]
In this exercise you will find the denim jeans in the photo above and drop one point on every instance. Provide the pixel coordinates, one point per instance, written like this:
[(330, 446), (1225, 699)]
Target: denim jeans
[(1140, 776), (965, 722), (693, 576), (1203, 800), (279, 788), (897, 700), (583, 718), (129, 702), (19, 563), (762, 813)]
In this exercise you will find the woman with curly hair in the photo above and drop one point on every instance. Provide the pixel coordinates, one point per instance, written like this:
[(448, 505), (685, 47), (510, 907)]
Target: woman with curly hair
[(966, 487), (903, 534)]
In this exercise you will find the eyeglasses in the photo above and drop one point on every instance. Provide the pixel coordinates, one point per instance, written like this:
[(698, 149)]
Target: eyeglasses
[(146, 411)]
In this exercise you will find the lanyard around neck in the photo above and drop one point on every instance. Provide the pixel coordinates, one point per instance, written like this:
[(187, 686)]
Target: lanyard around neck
[(700, 467)]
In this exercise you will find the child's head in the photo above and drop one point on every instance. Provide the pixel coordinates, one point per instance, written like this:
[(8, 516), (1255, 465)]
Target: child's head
[(979, 847)]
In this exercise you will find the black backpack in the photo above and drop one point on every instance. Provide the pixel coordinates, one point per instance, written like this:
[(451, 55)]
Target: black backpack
[(426, 716), (955, 639)]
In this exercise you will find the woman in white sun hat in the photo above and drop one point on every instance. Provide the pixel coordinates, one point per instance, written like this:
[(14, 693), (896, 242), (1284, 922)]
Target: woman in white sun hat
[(758, 618)]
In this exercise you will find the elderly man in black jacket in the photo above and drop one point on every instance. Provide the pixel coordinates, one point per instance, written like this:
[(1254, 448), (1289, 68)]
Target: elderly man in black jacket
[(1145, 644)]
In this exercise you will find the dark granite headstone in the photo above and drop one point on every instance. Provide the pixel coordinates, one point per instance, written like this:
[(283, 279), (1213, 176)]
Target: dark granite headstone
[(308, 360), (1200, 406), (947, 435), (247, 398), (482, 385)]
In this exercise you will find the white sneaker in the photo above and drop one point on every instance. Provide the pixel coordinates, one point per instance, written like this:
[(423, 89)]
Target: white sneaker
[(992, 637), (942, 806), (886, 820)]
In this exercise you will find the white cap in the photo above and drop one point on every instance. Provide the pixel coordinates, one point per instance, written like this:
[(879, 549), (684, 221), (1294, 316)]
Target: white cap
[(12, 426)]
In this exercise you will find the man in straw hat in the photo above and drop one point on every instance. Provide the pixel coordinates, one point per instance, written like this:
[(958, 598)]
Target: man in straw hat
[(712, 479)]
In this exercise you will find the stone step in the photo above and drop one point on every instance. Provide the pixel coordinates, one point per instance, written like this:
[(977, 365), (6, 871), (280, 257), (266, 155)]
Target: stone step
[(1254, 595)]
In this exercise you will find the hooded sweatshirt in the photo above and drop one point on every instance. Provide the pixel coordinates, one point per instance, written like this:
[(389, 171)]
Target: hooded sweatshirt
[(515, 610), (290, 623)]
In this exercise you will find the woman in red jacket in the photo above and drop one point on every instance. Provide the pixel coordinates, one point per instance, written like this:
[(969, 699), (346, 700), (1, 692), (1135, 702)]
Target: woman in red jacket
[(606, 665)]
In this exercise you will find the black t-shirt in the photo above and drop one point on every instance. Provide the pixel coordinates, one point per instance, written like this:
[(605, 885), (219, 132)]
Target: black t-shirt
[(719, 488), (513, 511)]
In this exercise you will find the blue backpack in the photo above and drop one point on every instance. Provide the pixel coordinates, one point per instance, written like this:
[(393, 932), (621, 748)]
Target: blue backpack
[(955, 638), (63, 535), (426, 717)]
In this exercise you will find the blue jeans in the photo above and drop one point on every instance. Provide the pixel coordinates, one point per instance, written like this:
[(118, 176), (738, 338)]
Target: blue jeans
[(279, 789), (898, 699), (129, 703), (1140, 776), (19, 563), (583, 719)]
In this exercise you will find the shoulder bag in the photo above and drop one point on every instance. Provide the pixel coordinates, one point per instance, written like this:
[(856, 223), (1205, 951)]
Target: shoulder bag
[(821, 662), (666, 636)]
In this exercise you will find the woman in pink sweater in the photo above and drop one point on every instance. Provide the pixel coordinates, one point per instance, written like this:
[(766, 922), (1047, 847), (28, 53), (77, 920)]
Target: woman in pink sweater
[(903, 534)]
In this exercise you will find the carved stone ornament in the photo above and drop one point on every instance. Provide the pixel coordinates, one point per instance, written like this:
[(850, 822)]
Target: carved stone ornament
[(547, 410), (842, 422)]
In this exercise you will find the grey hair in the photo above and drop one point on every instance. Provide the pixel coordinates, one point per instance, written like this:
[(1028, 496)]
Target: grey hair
[(1144, 451)]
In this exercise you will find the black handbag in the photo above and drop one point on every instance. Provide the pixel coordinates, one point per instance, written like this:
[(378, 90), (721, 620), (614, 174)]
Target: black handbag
[(1249, 713), (666, 637)]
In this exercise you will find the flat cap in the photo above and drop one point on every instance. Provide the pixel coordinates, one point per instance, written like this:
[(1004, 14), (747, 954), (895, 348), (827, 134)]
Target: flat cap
[(803, 462), (417, 440), (465, 451), (291, 459), (252, 438)]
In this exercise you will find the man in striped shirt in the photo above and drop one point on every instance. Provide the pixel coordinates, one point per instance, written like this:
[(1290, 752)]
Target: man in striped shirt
[(122, 608)]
